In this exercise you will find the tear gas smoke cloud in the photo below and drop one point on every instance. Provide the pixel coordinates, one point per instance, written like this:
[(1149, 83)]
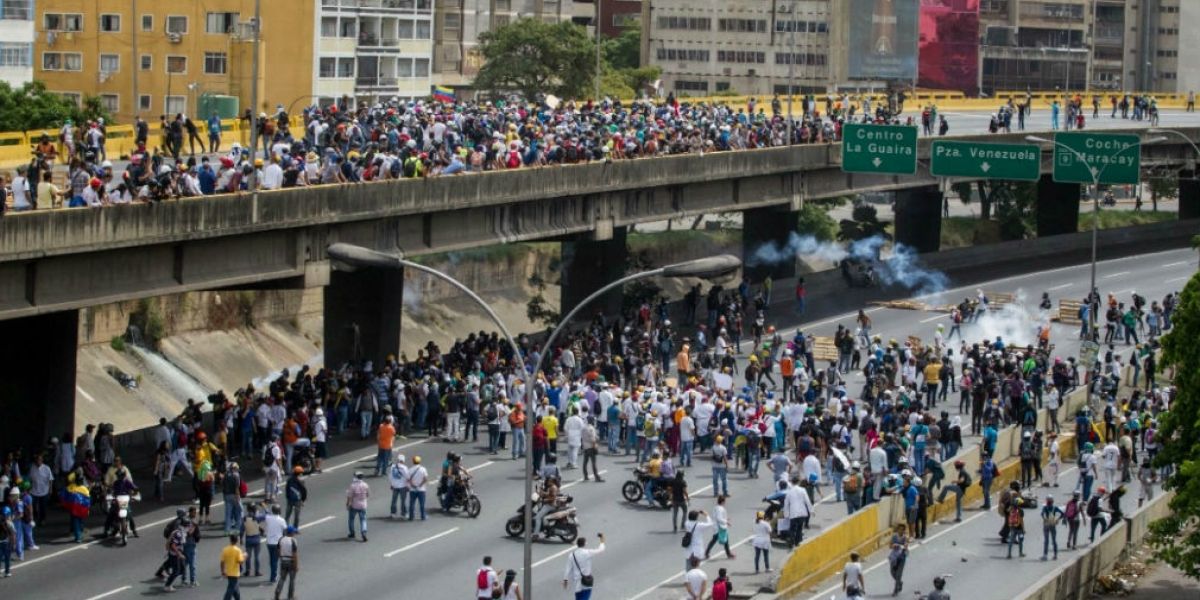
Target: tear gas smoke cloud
[(901, 268)]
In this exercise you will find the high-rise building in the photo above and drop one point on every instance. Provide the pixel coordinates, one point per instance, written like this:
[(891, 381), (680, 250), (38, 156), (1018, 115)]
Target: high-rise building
[(371, 50), (16, 42), (458, 24)]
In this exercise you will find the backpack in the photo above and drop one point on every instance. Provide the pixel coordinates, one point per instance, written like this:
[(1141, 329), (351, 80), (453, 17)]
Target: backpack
[(1014, 517), (640, 422), (1026, 450), (651, 428), (1072, 511), (1093, 506), (491, 413), (481, 580), (267, 457), (410, 166), (852, 484), (720, 590)]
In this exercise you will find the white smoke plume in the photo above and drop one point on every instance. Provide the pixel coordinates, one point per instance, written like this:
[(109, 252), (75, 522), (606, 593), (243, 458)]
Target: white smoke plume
[(901, 268)]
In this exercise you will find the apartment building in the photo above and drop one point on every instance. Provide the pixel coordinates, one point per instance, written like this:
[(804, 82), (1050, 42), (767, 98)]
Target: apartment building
[(615, 15), (746, 46), (149, 58), (16, 49), (458, 24), (373, 50)]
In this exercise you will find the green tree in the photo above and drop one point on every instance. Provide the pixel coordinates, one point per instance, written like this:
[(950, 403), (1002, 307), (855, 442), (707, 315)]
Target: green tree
[(815, 220), (1164, 184), (533, 57), (31, 106), (864, 223), (1177, 537), (625, 50)]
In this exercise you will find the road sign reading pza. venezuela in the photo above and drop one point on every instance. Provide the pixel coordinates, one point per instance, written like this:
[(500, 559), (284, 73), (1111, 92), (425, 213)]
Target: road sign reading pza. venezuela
[(985, 160), (879, 149), (1116, 157)]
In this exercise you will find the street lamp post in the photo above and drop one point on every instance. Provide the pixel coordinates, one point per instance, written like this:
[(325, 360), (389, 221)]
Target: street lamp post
[(1095, 174), (709, 267)]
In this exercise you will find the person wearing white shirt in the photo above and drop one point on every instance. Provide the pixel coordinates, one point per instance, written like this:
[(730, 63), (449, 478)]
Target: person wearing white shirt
[(486, 580), (274, 527), (579, 567), (1109, 460), (797, 507), (852, 575), (695, 581), (703, 414), (320, 434), (761, 541), (272, 176), (398, 480), (573, 427), (418, 477), (696, 527), (721, 517), (40, 480), (687, 439), (20, 190)]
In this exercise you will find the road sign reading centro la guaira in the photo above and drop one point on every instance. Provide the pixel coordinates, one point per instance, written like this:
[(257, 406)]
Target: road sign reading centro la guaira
[(879, 149), (1117, 158), (985, 160)]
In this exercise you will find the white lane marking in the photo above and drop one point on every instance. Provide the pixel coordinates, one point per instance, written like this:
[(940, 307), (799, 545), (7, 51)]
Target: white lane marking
[(553, 556), (840, 317), (1175, 264), (1061, 287), (86, 396), (579, 481), (373, 455), (415, 544), (676, 576), (934, 318), (1178, 279), (703, 489), (317, 522), (1117, 274), (110, 593), (480, 466), (52, 555)]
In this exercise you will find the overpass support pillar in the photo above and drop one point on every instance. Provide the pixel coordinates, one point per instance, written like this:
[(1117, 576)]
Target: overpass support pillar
[(919, 218), (1057, 207), (1189, 196), (362, 315), (38, 399), (762, 226), (588, 265)]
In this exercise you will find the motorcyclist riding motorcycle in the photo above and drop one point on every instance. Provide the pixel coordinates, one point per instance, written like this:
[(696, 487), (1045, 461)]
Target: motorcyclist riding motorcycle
[(1046, 305), (454, 481), (122, 491), (547, 503)]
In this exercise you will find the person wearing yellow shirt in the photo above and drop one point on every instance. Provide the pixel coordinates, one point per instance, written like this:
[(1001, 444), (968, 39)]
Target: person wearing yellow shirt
[(653, 476), (232, 558), (933, 373), (550, 422)]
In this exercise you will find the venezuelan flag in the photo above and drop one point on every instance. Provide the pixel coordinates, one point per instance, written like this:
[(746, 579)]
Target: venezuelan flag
[(443, 93)]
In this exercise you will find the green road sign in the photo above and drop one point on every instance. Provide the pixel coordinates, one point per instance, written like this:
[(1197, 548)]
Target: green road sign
[(1117, 158), (880, 149), (984, 160)]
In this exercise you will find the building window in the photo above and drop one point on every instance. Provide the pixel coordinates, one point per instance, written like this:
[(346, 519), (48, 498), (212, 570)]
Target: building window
[(722, 86), (147, 62), (801, 26), (220, 22), (177, 64), (215, 63), (691, 86), (741, 56), (421, 67), (16, 10), (110, 63), (1168, 31), (689, 23), (345, 68), (62, 61), (147, 22), (451, 22), (16, 54), (174, 105), (327, 68), (503, 5), (72, 97), (62, 22), (623, 20), (144, 102), (742, 25), (110, 23), (1168, 53), (111, 102), (349, 28), (499, 21), (328, 27), (683, 54), (177, 24), (800, 58)]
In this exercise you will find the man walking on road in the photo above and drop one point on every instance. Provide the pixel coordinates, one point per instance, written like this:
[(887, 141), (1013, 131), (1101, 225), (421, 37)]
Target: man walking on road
[(274, 527), (289, 563), (578, 573), (232, 558), (356, 505)]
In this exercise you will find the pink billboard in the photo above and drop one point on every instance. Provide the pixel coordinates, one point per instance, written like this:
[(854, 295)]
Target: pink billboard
[(949, 45)]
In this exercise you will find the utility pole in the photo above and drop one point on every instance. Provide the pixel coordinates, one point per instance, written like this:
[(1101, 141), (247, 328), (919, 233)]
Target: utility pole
[(135, 61), (597, 77), (254, 100)]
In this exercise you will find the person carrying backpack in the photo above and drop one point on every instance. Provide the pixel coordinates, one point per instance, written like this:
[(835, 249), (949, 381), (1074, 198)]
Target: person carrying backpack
[(486, 583), (1071, 514), (722, 587)]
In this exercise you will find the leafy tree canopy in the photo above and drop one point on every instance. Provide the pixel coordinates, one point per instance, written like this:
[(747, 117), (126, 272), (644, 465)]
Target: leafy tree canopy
[(32, 107), (1177, 538), (533, 57)]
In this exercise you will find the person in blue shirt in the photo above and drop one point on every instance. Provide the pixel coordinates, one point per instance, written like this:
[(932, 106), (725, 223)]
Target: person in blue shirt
[(1054, 115), (1051, 517), (456, 166), (989, 438), (987, 474), (214, 137), (207, 177), (911, 495)]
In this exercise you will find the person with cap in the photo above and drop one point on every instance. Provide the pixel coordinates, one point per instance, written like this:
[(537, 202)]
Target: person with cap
[(356, 505), (962, 483), (1072, 512), (289, 562), (296, 494), (720, 467), (8, 539), (418, 480), (320, 435), (251, 534), (231, 493), (853, 485), (1026, 451), (175, 553), (398, 481), (1095, 511)]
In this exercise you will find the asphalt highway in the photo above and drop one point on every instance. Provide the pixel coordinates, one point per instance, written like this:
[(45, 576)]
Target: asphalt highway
[(437, 558)]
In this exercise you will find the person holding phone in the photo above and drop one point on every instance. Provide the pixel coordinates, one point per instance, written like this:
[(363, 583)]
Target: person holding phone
[(578, 572)]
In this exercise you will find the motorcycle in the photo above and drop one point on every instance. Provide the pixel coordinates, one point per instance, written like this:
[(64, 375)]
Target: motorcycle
[(120, 504), (461, 496), (773, 514), (635, 489), (560, 522)]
